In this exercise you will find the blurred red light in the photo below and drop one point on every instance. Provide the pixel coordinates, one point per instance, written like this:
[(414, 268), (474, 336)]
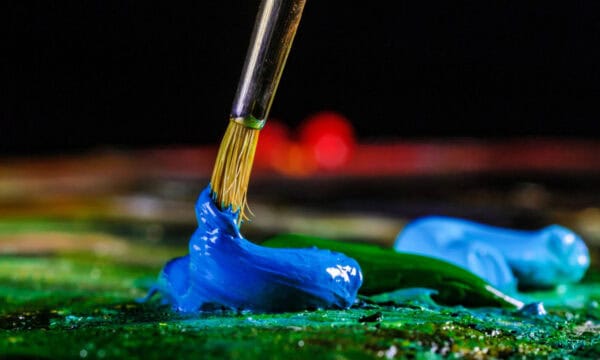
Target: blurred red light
[(330, 138)]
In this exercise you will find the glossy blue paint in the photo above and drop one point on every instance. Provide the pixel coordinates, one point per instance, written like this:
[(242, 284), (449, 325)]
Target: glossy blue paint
[(537, 258), (224, 269)]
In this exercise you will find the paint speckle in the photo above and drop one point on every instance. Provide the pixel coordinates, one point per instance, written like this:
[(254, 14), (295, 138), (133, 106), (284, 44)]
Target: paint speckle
[(391, 352)]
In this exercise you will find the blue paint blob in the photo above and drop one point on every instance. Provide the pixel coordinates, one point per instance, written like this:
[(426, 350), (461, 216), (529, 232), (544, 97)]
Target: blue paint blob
[(537, 258), (224, 269)]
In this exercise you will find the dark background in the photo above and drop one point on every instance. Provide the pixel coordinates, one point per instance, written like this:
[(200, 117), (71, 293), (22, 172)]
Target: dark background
[(78, 75)]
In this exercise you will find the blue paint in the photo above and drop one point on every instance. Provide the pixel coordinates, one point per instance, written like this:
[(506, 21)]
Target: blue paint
[(224, 269), (537, 258)]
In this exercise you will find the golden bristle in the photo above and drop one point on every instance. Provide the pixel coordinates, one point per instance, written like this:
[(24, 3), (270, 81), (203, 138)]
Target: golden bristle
[(233, 166)]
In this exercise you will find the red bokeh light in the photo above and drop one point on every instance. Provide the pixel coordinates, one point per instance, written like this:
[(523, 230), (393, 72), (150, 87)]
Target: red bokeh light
[(325, 140), (329, 137)]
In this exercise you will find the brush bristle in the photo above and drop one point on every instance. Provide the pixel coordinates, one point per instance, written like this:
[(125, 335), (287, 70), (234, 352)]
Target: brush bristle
[(233, 166)]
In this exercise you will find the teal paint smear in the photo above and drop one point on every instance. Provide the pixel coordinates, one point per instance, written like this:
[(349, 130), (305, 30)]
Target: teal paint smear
[(224, 269), (540, 258)]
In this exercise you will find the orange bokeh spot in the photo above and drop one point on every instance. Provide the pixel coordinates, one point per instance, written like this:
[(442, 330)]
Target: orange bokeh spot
[(297, 162), (273, 144)]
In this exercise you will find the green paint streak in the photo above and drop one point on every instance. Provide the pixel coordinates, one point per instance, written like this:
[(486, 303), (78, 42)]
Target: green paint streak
[(29, 225), (386, 270)]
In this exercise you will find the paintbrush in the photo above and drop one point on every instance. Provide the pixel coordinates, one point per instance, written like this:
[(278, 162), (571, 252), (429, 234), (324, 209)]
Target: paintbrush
[(274, 30)]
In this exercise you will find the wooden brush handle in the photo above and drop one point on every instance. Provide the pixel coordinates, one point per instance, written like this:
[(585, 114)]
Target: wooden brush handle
[(270, 44)]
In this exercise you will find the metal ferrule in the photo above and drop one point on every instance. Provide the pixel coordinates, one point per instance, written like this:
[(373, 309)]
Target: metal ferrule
[(250, 122)]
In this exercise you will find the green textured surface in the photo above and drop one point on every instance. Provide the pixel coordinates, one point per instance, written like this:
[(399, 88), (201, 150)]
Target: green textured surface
[(78, 301)]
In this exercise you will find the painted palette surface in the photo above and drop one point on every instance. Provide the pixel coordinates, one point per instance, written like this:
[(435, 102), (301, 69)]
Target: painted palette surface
[(82, 305), (82, 248)]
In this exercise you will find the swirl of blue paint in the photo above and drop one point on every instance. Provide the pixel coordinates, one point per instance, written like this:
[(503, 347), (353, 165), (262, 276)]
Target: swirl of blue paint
[(224, 269), (538, 258)]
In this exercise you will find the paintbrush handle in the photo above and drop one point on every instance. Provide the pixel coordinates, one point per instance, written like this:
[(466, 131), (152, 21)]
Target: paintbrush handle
[(270, 44)]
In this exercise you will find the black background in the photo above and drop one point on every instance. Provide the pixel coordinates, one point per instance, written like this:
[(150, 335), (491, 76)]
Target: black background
[(78, 75)]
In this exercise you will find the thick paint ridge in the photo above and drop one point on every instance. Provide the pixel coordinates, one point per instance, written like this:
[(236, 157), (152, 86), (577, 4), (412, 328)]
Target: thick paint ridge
[(224, 269)]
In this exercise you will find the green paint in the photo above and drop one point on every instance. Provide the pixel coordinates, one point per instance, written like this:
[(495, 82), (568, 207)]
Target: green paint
[(386, 270), (29, 225)]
